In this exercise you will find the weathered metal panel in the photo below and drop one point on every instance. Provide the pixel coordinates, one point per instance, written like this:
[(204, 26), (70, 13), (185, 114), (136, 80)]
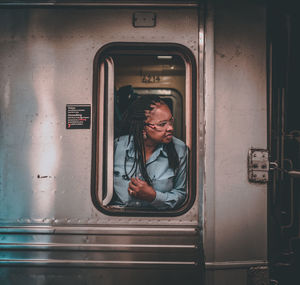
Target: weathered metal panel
[(51, 232), (236, 109), (47, 62)]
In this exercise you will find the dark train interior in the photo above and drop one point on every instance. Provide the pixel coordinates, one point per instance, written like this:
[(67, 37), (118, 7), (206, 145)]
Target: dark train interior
[(284, 142)]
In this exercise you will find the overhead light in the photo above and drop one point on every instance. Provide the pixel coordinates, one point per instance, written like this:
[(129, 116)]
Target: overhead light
[(164, 57)]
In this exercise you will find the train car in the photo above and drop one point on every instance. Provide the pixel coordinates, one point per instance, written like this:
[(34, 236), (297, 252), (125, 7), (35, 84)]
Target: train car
[(69, 70)]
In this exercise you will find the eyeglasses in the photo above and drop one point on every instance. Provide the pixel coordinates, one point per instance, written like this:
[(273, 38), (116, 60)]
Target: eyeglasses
[(162, 125)]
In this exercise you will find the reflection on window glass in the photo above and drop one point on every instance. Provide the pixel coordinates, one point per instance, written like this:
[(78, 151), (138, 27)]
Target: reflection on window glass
[(150, 156)]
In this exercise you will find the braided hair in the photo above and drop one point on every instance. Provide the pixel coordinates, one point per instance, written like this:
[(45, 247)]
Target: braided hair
[(134, 122)]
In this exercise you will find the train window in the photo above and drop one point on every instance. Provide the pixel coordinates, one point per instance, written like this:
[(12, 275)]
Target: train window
[(143, 129)]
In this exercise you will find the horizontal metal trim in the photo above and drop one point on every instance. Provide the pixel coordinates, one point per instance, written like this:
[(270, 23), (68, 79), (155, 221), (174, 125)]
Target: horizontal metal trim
[(234, 264), (95, 247), (95, 263), (99, 4), (99, 230)]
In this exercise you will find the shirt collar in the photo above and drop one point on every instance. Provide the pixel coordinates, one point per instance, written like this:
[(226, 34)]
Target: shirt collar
[(161, 149)]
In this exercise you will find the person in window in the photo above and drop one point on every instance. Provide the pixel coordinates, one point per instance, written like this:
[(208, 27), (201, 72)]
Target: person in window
[(150, 164)]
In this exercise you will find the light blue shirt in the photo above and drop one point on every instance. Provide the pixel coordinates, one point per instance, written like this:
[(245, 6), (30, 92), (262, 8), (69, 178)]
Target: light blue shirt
[(170, 186)]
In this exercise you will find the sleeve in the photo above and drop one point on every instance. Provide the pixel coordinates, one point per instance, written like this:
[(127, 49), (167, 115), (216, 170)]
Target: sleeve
[(176, 196)]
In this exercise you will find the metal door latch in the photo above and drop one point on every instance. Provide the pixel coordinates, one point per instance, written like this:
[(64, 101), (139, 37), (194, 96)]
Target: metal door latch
[(258, 165)]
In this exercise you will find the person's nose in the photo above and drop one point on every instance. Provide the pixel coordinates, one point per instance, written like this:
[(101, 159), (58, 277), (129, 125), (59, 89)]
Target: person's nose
[(170, 127)]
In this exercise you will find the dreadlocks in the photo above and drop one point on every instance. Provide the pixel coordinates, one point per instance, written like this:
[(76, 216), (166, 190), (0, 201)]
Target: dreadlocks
[(134, 121)]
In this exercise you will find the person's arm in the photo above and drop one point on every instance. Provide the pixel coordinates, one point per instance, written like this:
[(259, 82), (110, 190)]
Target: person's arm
[(173, 198)]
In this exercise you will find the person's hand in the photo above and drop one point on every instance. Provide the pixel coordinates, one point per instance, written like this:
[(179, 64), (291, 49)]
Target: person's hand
[(140, 189)]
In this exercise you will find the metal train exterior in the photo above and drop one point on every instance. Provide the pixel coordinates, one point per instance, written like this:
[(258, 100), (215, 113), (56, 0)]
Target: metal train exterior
[(62, 64)]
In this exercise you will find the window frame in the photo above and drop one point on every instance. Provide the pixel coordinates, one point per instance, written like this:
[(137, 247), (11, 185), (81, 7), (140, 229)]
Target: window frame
[(102, 144)]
